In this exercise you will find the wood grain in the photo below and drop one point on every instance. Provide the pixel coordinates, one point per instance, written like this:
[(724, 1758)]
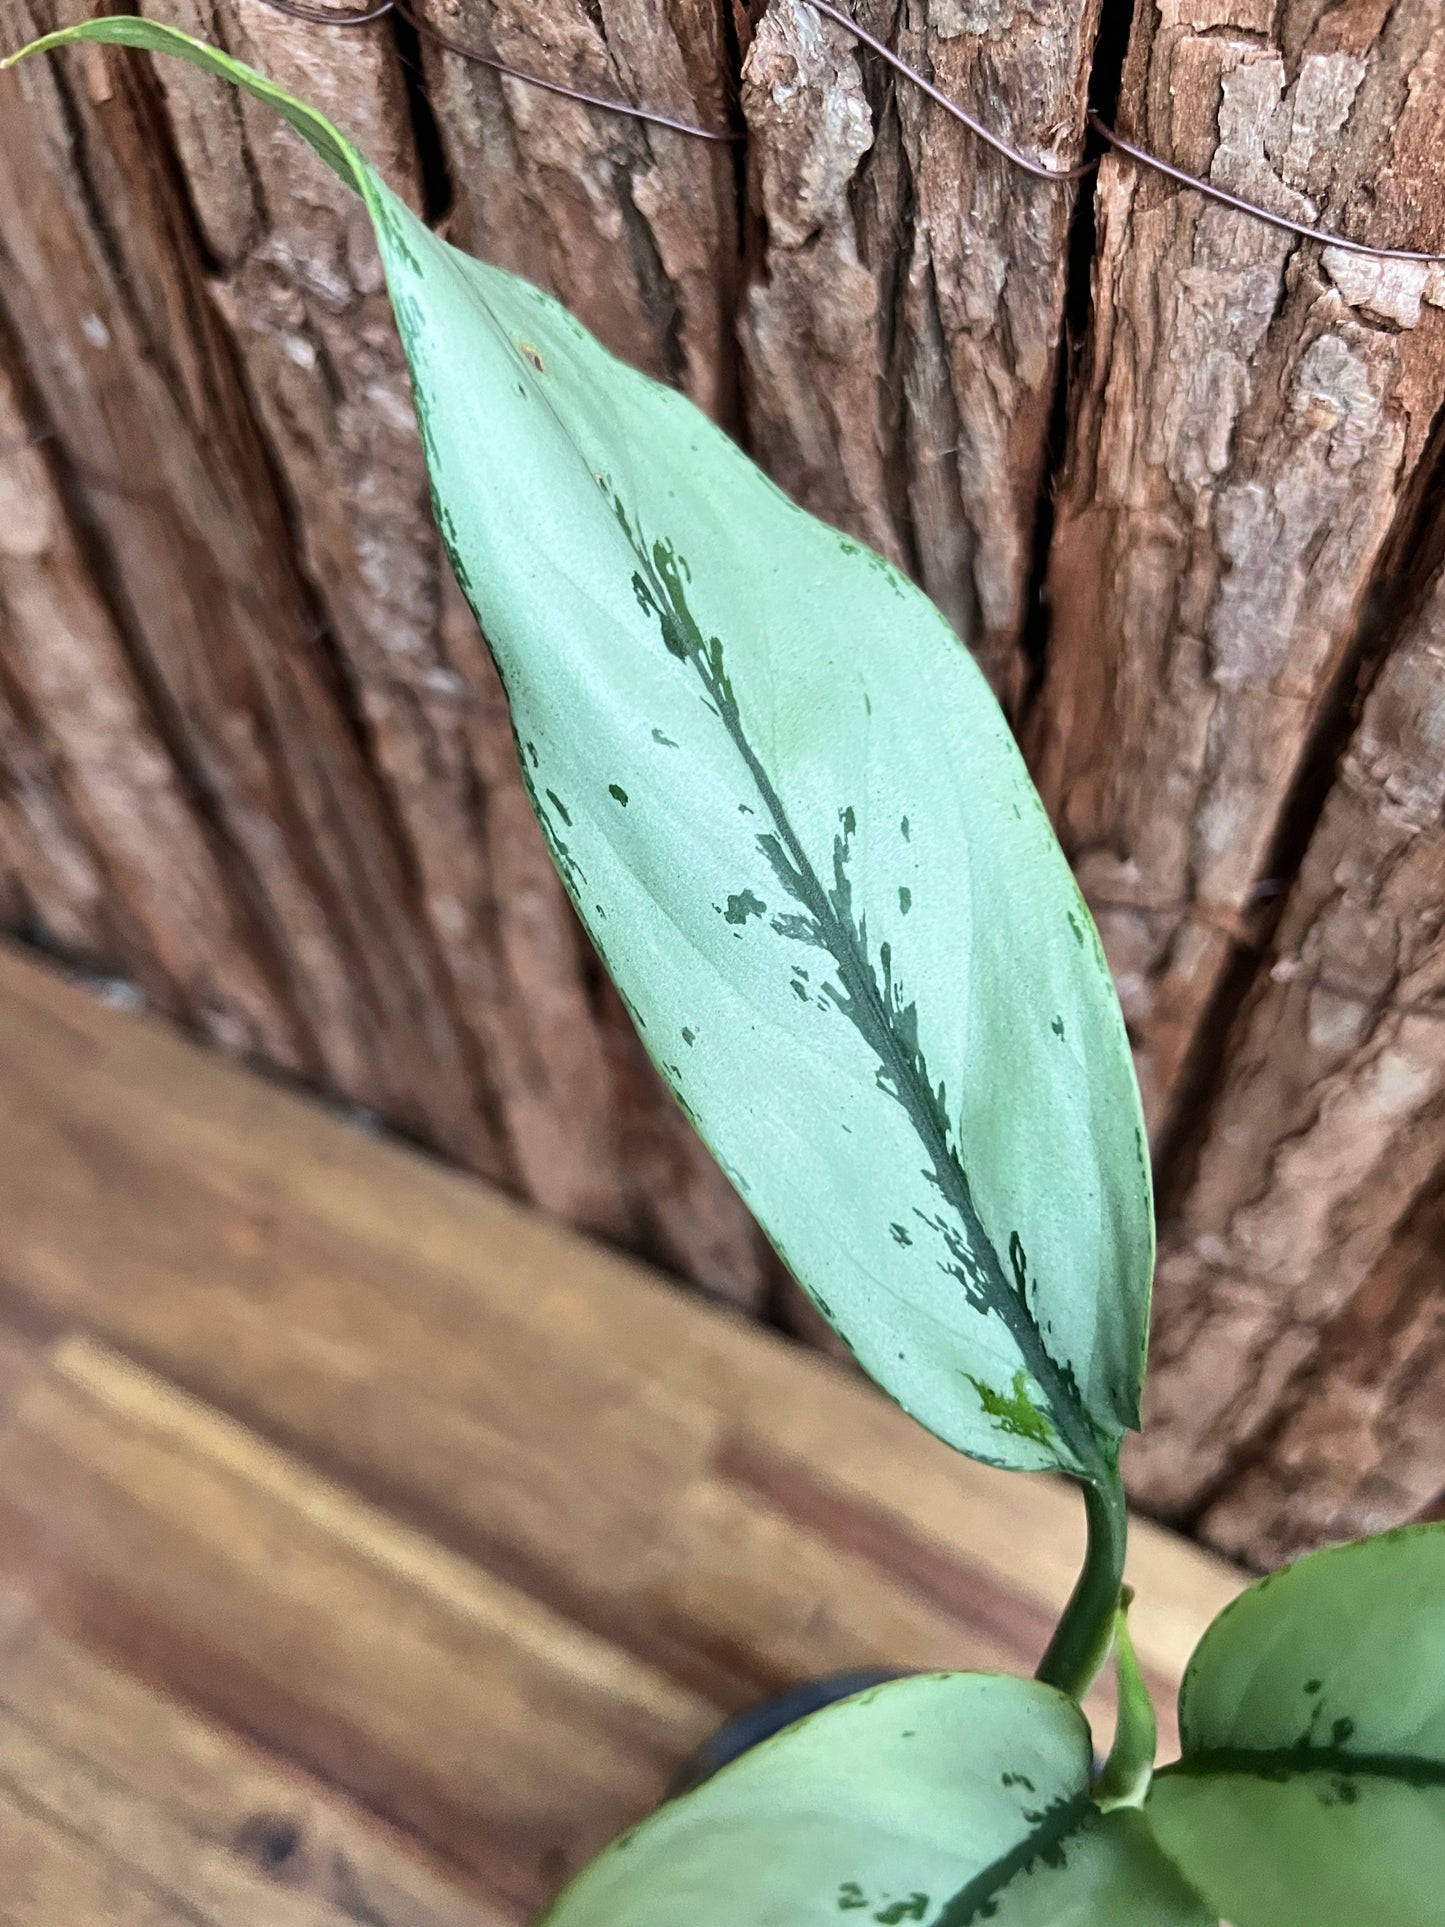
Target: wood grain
[(116, 1803), (1249, 423), (391, 1270), (433, 1692), (368, 1463)]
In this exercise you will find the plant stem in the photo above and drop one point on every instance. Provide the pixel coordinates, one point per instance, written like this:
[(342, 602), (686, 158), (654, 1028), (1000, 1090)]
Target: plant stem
[(1081, 1641)]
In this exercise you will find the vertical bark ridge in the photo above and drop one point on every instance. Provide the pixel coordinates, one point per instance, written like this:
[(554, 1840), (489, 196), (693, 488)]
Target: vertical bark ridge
[(902, 327), (1329, 1124), (1248, 417)]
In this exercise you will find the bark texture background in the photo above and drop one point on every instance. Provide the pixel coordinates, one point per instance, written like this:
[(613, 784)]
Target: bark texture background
[(1175, 476)]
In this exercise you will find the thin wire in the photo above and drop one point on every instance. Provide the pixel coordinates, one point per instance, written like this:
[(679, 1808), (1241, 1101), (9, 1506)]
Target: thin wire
[(429, 32), (323, 17), (1222, 194), (22, 442), (1039, 169)]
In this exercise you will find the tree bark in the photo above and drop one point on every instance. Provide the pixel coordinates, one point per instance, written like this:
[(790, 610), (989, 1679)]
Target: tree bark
[(104, 292), (1248, 426), (471, 982), (901, 326), (630, 224), (108, 854), (1361, 1444), (1328, 1126)]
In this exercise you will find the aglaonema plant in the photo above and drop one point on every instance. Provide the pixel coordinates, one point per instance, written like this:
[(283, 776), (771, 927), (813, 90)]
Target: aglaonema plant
[(796, 827)]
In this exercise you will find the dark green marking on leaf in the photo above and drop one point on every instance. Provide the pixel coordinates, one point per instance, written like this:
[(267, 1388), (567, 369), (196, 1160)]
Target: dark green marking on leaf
[(571, 873), (1342, 1732), (1044, 1846), (800, 990), (746, 809), (867, 994), (900, 1236), (1014, 1413), (914, 1908), (742, 906), (531, 749), (661, 736), (907, 833), (688, 1036), (1314, 1685), (850, 1897), (1283, 1763), (1017, 1779), (905, 898), (1057, 1027), (561, 808), (1077, 928), (617, 793)]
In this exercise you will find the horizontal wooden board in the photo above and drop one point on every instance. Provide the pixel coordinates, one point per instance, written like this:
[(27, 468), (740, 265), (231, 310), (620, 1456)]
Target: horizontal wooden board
[(125, 1805), (475, 1521)]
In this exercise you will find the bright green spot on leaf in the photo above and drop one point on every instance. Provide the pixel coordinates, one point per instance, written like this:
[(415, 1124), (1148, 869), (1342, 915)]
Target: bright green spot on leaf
[(1014, 1413)]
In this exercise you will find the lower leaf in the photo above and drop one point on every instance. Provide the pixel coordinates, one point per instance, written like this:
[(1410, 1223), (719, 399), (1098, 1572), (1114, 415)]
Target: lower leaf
[(945, 1800), (1312, 1788), (1332, 1848)]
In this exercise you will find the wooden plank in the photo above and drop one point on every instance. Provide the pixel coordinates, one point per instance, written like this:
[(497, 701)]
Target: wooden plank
[(482, 1721), (118, 1804), (901, 324), (1326, 1129), (539, 1405), (1250, 429)]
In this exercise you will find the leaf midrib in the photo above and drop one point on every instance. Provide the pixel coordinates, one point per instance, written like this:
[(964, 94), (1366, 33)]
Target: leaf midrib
[(1070, 1419), (1066, 1817), (1293, 1762)]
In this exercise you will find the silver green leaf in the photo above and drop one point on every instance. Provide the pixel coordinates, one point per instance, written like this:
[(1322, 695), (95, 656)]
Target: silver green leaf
[(950, 1799), (1311, 1792), (798, 831)]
